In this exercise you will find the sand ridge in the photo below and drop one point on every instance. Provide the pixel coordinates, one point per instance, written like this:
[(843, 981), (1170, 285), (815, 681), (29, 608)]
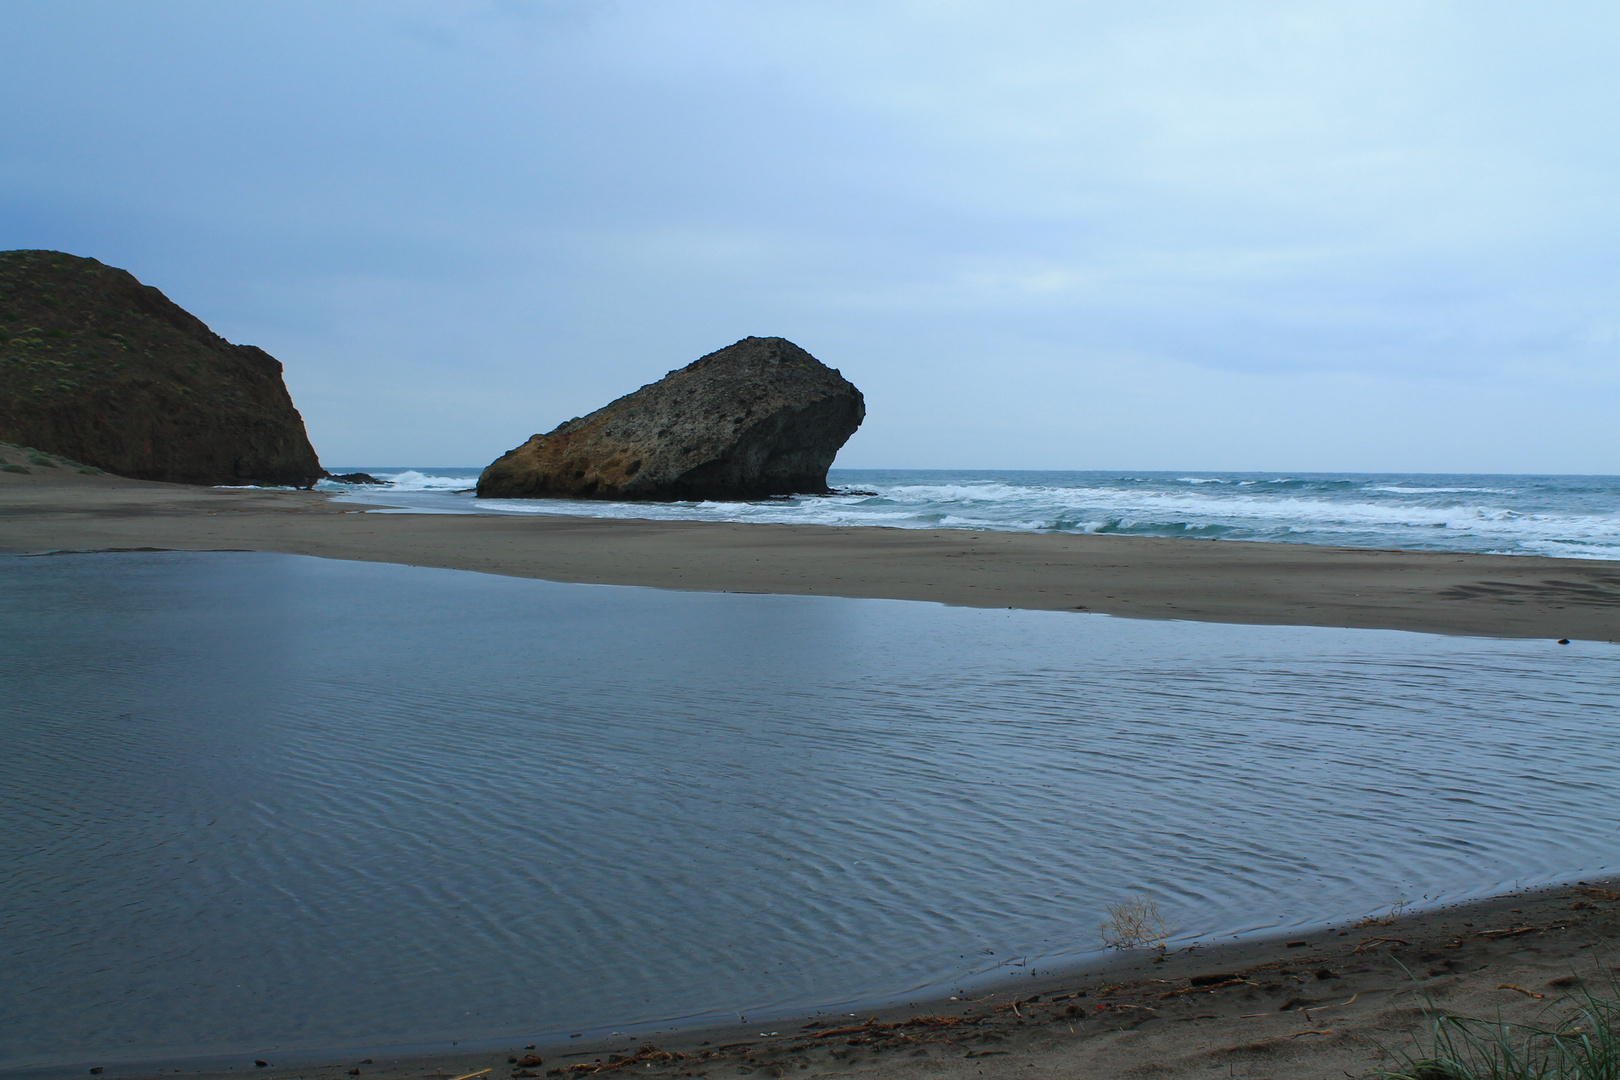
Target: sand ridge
[(1139, 577)]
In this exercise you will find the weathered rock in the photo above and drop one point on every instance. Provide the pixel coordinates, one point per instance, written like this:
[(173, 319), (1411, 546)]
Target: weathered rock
[(761, 417), (97, 367)]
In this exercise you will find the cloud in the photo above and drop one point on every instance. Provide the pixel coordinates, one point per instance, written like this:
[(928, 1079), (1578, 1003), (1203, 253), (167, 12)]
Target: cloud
[(546, 204)]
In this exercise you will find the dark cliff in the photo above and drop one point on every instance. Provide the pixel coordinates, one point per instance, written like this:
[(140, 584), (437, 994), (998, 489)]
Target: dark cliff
[(761, 417), (99, 368)]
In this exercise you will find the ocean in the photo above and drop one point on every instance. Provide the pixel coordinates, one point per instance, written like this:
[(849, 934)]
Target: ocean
[(1566, 516)]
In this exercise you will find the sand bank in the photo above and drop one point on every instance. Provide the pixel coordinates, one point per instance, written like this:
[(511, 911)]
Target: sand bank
[(1139, 577)]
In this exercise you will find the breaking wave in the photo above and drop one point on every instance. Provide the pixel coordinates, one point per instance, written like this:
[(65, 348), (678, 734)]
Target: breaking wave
[(1525, 515)]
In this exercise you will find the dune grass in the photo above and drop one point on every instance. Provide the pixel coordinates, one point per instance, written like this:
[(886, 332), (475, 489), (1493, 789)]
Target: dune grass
[(1577, 1039)]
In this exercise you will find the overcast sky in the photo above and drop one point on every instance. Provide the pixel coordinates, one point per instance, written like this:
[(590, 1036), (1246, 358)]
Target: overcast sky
[(1140, 235)]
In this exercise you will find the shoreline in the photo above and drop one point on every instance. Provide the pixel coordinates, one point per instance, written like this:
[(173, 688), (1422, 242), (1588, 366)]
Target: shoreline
[(1132, 577), (1337, 1000), (1261, 1007)]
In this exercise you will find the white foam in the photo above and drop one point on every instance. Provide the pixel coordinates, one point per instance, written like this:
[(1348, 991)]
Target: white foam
[(1581, 521), (406, 480), (411, 480), (1402, 490), (989, 492)]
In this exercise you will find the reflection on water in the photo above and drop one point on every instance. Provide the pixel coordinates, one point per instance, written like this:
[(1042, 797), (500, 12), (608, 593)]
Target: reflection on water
[(257, 800)]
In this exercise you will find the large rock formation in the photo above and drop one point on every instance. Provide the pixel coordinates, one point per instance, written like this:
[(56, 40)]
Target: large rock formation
[(761, 417), (99, 368)]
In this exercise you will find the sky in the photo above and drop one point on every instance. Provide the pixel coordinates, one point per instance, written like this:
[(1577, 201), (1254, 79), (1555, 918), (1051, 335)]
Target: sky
[(1271, 236)]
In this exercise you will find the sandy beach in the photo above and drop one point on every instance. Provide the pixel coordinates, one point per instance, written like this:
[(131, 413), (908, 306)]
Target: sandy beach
[(1342, 1002), (546, 540), (1137, 577)]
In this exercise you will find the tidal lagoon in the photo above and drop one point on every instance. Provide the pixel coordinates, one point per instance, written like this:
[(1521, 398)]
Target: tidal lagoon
[(255, 802)]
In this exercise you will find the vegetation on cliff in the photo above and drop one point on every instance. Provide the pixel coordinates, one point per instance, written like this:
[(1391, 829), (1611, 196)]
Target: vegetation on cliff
[(99, 368)]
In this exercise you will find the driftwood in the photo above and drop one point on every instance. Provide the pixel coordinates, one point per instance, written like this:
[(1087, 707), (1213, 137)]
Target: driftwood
[(859, 1029), (1209, 987), (874, 1025), (648, 1054)]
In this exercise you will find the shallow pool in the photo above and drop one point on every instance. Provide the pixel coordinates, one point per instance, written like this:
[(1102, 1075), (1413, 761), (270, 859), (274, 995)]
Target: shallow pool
[(257, 801)]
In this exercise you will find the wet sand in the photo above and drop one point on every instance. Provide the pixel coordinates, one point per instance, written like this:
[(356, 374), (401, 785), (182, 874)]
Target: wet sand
[(1339, 1002), (1138, 577)]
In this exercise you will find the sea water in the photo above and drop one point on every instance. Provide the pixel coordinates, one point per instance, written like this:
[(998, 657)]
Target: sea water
[(252, 803), (1571, 516)]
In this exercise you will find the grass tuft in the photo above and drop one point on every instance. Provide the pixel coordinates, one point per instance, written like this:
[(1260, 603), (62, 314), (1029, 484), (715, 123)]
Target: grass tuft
[(1578, 1040), (16, 469)]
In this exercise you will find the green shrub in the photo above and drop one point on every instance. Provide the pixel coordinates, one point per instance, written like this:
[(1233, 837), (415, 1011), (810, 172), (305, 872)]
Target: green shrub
[(41, 459), (14, 468)]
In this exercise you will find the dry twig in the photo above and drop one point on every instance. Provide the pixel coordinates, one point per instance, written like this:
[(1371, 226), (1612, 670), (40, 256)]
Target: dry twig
[(1136, 923), (1597, 893), (1211, 987), (1520, 989)]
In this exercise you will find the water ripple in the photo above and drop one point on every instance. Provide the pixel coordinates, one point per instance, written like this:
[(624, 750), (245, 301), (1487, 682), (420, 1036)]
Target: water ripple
[(294, 802)]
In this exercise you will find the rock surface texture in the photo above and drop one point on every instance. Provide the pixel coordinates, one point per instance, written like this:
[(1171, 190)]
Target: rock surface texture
[(761, 417), (99, 368)]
